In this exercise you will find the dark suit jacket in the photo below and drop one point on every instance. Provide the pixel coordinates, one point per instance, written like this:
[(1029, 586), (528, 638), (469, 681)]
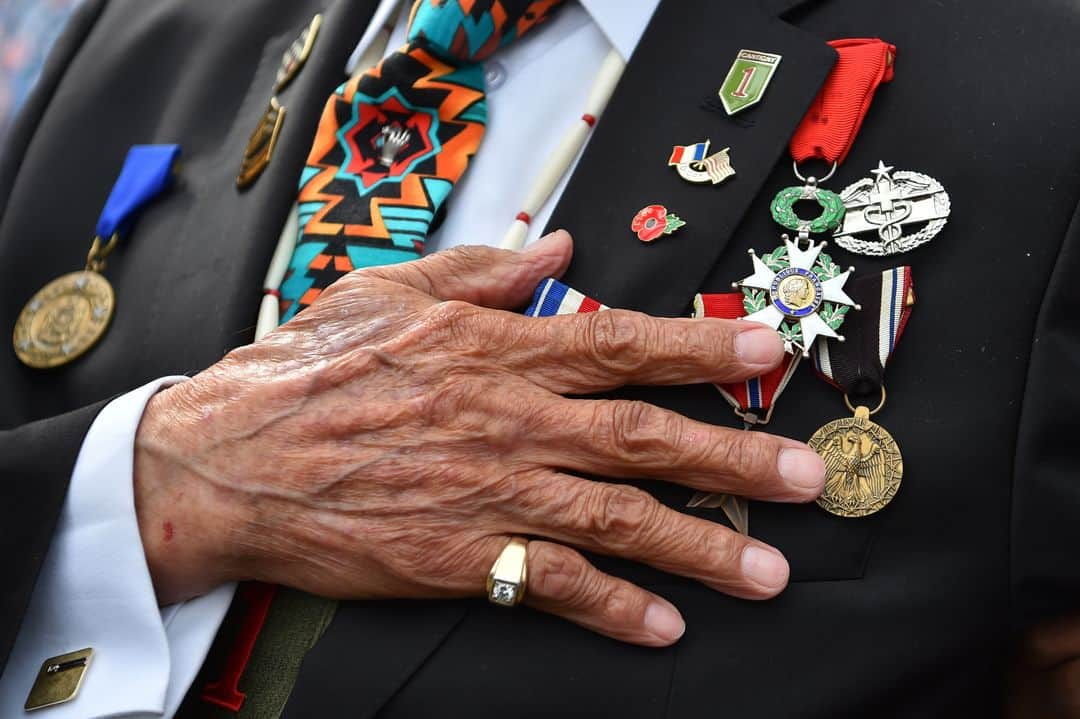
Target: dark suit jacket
[(906, 613)]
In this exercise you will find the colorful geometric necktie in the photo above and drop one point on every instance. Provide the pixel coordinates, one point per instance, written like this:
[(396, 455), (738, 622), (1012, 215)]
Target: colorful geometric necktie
[(393, 141), (390, 146)]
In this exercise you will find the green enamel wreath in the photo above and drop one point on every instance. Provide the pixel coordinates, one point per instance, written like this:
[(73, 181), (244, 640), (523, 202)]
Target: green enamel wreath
[(783, 209)]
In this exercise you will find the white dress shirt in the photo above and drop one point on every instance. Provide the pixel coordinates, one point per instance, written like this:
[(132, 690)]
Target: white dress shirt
[(94, 588)]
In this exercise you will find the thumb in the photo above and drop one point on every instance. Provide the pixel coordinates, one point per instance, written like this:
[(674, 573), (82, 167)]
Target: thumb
[(485, 276)]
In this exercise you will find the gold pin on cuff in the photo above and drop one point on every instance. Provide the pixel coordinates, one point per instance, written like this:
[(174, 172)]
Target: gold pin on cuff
[(59, 679), (506, 580)]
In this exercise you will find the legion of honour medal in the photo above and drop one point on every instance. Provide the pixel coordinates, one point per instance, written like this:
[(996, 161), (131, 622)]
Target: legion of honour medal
[(799, 292)]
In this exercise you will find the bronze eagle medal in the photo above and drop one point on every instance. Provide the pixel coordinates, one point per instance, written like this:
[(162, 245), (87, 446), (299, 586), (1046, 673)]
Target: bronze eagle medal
[(863, 465)]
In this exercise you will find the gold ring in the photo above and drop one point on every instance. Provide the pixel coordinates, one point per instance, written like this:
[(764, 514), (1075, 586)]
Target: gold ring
[(506, 580)]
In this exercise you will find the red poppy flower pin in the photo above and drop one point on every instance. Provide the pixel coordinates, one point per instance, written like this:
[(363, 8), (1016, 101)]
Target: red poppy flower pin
[(654, 220)]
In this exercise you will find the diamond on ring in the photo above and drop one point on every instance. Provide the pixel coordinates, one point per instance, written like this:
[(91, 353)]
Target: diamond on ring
[(503, 593), (506, 580)]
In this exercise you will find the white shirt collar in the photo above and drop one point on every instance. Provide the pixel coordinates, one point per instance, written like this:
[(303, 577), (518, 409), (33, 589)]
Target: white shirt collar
[(622, 21)]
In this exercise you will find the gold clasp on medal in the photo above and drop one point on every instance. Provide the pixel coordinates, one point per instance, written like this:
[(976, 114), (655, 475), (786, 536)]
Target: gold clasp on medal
[(99, 251)]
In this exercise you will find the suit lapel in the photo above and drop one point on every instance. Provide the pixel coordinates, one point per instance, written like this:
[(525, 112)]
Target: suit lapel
[(668, 96), (372, 649)]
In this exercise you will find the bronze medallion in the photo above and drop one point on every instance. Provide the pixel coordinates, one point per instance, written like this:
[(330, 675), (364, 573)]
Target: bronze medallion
[(863, 466), (64, 319)]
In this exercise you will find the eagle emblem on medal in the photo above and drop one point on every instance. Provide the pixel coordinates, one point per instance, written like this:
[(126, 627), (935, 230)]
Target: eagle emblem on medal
[(863, 465), (799, 292)]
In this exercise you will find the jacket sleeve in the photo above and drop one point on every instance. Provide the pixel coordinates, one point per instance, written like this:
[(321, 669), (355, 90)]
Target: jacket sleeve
[(36, 461), (1046, 490), (94, 590)]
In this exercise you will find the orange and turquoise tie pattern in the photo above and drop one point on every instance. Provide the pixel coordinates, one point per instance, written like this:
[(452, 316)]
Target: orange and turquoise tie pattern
[(393, 141), (391, 144)]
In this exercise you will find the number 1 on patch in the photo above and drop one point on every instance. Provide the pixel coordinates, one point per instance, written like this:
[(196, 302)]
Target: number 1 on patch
[(747, 79)]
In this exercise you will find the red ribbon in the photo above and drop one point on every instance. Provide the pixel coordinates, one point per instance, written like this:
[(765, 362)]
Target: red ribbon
[(829, 128)]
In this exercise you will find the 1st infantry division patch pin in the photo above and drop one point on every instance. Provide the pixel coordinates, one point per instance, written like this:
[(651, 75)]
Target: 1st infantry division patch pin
[(747, 79)]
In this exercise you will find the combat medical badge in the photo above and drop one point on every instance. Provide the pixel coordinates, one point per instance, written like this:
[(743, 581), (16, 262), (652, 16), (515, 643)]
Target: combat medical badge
[(880, 211)]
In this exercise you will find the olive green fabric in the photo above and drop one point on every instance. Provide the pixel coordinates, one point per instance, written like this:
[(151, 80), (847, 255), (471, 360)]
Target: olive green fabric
[(295, 621)]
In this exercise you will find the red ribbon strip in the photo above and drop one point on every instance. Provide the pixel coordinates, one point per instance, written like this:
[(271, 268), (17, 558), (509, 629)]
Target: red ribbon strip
[(828, 130)]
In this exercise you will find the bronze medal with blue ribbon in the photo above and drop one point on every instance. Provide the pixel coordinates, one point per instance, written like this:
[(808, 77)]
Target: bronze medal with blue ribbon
[(68, 316)]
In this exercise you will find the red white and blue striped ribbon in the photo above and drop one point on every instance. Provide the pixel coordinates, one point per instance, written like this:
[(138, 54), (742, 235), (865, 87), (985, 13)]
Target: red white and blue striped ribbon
[(554, 298), (754, 398)]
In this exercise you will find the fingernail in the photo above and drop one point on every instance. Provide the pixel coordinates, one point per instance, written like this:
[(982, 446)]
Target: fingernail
[(543, 244), (801, 468), (664, 621), (759, 345), (765, 567)]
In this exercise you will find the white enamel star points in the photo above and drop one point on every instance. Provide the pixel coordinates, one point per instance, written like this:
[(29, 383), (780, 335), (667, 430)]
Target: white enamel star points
[(803, 259), (833, 289), (793, 299)]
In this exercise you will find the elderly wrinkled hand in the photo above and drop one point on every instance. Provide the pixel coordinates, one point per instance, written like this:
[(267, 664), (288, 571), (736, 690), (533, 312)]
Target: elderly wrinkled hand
[(389, 440)]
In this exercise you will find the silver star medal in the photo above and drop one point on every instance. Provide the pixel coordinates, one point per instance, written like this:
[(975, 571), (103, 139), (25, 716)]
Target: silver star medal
[(888, 205), (799, 293)]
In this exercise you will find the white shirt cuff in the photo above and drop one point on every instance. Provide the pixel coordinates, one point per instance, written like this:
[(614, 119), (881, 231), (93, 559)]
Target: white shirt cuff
[(94, 590)]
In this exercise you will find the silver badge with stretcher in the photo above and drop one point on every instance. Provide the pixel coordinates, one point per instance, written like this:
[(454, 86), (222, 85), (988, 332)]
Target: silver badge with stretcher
[(891, 212)]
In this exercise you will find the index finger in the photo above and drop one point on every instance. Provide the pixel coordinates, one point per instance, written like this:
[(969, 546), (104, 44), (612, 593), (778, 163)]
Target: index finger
[(598, 351)]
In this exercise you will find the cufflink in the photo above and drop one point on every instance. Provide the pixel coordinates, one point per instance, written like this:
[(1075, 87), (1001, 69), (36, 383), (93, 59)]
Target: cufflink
[(59, 679)]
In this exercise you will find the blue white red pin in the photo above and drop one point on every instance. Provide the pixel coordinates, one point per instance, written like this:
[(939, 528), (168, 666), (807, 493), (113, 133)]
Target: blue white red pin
[(695, 164)]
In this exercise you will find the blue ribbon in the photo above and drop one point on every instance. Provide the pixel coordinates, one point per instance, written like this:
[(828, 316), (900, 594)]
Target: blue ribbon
[(145, 175)]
